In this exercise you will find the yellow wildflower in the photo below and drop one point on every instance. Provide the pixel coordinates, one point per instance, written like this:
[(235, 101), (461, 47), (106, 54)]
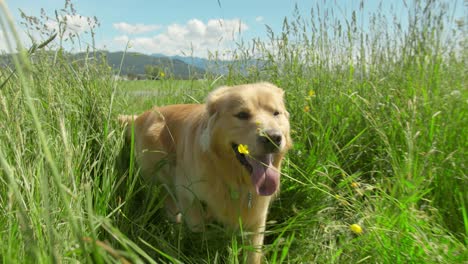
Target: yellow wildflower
[(162, 74), (357, 229), (243, 149), (311, 93), (306, 109), (355, 184)]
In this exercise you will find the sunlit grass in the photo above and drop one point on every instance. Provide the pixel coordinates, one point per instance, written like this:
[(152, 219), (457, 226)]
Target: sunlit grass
[(377, 172)]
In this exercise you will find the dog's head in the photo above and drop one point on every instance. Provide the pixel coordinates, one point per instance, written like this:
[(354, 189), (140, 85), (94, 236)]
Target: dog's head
[(252, 115)]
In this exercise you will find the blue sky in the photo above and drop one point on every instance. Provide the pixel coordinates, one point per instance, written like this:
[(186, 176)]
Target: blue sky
[(192, 26)]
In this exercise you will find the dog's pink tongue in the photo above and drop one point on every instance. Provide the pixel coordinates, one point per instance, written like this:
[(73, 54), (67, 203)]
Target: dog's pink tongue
[(264, 176)]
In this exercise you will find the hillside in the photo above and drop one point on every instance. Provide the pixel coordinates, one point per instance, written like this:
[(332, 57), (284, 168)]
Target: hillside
[(216, 66), (176, 67), (132, 64)]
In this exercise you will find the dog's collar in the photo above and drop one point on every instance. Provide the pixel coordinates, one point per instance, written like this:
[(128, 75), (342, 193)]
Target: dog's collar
[(235, 195)]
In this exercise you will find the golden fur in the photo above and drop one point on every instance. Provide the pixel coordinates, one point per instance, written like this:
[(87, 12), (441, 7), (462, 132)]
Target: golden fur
[(191, 150)]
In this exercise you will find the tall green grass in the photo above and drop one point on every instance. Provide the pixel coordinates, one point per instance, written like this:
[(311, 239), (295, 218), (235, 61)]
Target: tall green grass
[(378, 118)]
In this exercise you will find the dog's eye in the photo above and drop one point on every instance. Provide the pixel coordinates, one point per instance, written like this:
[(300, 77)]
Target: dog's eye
[(243, 115), (276, 113)]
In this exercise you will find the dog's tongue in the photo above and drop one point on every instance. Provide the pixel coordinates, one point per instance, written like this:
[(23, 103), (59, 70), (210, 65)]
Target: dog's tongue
[(264, 176)]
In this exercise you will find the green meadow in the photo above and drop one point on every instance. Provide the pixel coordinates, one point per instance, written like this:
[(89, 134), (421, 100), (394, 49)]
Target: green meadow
[(379, 123)]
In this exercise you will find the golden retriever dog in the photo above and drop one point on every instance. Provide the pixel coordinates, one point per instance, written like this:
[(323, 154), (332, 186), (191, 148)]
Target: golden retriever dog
[(218, 160)]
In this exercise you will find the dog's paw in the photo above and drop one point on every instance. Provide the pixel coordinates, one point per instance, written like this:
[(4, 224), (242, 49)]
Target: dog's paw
[(178, 218)]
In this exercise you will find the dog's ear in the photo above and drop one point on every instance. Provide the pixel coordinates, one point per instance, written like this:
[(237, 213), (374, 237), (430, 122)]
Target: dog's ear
[(214, 99), (205, 139), (213, 103)]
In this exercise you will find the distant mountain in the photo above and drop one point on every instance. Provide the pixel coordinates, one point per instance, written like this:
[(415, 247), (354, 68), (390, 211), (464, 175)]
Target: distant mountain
[(194, 61), (178, 67), (212, 66), (134, 63), (182, 66)]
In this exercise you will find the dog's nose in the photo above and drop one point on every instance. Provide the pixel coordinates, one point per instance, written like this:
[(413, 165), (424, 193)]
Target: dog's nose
[(271, 140)]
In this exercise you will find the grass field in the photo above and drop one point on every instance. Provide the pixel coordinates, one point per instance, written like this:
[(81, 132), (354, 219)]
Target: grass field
[(379, 123)]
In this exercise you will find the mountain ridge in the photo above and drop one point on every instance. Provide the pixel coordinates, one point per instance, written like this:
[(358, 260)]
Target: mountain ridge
[(134, 64)]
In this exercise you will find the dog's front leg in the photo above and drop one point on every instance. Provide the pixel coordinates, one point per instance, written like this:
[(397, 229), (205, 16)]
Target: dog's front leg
[(255, 255), (256, 241), (191, 209)]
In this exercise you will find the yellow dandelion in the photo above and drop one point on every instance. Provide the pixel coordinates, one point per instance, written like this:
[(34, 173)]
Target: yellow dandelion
[(162, 74), (306, 109), (357, 229), (311, 93), (243, 149)]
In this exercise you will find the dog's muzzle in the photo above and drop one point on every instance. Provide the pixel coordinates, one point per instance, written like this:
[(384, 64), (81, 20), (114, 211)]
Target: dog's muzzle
[(264, 176), (270, 140)]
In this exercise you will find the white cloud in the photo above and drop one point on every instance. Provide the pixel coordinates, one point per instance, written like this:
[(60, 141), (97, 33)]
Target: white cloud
[(75, 24), (259, 19), (136, 28), (194, 37)]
